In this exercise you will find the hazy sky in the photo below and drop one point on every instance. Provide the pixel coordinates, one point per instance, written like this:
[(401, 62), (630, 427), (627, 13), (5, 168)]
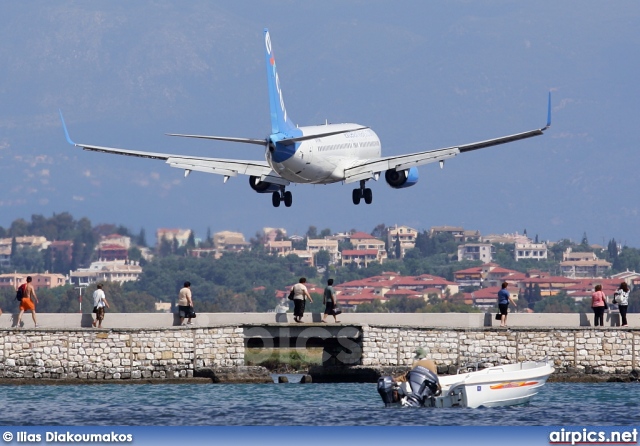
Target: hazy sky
[(423, 75)]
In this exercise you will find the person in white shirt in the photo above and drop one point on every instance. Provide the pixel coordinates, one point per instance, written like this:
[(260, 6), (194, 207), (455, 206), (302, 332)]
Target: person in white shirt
[(185, 303), (621, 297), (300, 296), (99, 303)]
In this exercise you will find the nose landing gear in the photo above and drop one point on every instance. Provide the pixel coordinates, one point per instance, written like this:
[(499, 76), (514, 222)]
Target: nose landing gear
[(282, 195), (363, 192)]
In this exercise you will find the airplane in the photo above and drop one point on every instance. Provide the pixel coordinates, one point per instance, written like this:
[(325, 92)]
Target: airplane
[(320, 154)]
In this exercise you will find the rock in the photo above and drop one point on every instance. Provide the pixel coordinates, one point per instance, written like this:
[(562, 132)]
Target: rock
[(306, 379), (235, 375), (283, 379)]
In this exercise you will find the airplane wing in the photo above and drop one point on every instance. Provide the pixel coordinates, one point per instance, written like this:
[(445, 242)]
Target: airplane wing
[(367, 169), (220, 166)]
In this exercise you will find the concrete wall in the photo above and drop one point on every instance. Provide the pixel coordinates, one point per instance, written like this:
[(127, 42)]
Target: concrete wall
[(444, 320)]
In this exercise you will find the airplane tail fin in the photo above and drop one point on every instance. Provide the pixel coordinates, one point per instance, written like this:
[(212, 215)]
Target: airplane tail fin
[(280, 122)]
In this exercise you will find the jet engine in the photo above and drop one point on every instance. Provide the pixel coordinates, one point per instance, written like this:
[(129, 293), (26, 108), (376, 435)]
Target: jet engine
[(262, 187), (399, 179)]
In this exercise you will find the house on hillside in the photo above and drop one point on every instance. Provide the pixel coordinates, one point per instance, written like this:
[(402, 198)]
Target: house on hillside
[(315, 245), (281, 248), (361, 257), (405, 235), (39, 280), (631, 277), (583, 264), (106, 271), (361, 241), (534, 251), (488, 275), (476, 251), (229, 241), (180, 235)]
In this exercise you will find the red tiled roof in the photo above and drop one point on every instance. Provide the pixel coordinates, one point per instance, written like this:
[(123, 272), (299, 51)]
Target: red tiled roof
[(487, 293), (360, 252), (403, 292), (112, 247), (362, 235), (550, 279)]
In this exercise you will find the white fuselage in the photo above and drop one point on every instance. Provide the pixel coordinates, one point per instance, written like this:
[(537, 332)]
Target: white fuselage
[(324, 160)]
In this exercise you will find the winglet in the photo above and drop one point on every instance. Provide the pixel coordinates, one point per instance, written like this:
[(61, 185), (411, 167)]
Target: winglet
[(66, 132), (549, 112)]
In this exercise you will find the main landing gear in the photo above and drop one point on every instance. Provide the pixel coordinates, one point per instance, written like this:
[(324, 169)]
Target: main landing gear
[(363, 192), (282, 195)]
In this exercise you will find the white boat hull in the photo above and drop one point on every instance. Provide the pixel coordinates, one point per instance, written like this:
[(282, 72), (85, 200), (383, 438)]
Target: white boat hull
[(505, 385)]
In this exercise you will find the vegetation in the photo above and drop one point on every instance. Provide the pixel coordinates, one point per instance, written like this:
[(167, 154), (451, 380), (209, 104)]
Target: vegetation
[(283, 359), (247, 281)]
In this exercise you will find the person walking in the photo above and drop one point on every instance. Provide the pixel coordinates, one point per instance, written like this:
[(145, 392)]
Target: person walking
[(621, 297), (330, 302), (598, 304), (26, 303), (99, 303), (504, 297), (300, 295), (185, 303)]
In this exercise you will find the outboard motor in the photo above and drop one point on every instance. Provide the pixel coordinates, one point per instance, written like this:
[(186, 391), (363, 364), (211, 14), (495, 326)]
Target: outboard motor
[(386, 389), (424, 385)]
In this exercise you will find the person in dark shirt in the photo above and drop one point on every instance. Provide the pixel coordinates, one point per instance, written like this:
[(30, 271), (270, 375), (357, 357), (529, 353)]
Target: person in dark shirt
[(330, 301), (503, 303)]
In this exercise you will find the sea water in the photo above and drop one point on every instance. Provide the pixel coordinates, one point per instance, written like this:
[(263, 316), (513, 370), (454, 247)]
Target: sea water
[(293, 403)]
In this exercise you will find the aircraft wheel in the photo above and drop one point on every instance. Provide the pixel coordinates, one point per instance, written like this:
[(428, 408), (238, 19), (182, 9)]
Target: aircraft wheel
[(368, 196), (275, 199), (356, 195), (288, 199)]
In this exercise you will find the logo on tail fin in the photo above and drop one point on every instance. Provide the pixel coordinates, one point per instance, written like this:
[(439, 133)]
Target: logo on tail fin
[(279, 119)]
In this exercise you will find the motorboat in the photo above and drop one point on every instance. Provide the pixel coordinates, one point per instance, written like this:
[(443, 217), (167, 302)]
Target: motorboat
[(500, 385)]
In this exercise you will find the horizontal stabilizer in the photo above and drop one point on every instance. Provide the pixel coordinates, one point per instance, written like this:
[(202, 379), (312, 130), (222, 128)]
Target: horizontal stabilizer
[(319, 135), (260, 142)]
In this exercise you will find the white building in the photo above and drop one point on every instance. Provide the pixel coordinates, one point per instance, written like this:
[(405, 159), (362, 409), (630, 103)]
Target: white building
[(535, 251), (106, 271), (476, 251)]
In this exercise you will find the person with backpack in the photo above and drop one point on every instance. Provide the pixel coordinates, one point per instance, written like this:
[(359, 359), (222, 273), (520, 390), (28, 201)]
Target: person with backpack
[(26, 294), (621, 297)]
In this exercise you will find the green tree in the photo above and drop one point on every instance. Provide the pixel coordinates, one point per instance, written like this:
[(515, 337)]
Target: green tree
[(379, 231), (164, 249), (322, 258), (28, 260), (191, 241), (14, 246), (141, 240), (559, 303), (134, 254), (312, 232), (376, 306)]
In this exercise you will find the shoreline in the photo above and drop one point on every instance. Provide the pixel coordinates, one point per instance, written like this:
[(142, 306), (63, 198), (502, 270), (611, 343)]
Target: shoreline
[(554, 378)]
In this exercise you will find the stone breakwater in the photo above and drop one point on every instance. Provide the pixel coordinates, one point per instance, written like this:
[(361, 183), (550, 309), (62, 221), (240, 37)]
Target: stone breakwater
[(352, 353), (571, 350), (118, 354)]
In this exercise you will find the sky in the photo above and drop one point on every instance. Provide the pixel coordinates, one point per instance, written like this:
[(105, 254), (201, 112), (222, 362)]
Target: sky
[(422, 75)]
